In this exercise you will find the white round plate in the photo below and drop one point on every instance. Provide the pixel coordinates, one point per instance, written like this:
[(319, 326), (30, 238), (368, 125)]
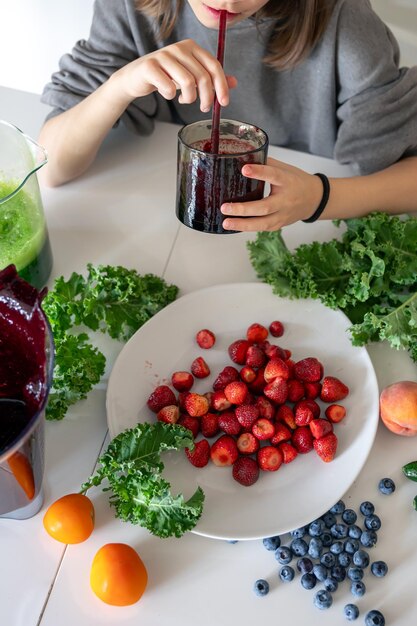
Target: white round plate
[(298, 492)]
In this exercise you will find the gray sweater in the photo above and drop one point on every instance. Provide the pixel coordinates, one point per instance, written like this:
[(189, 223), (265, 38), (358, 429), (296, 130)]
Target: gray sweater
[(349, 100)]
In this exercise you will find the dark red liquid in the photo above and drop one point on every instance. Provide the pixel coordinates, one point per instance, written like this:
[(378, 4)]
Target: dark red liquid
[(206, 181)]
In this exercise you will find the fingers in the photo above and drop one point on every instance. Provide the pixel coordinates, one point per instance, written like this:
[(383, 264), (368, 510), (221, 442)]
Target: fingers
[(270, 173), (252, 224)]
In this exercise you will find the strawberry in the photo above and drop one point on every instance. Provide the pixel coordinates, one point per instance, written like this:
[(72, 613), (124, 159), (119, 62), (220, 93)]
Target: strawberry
[(333, 389), (199, 368), (169, 414), (326, 447), (196, 405), (286, 415), (269, 458), (181, 399), (275, 352), (209, 424), (281, 433), (266, 408), (305, 411), (219, 402), (312, 390), (224, 451), (296, 390), (287, 354), (277, 391), (247, 374), (228, 375), (276, 368), (258, 385), (335, 412), (247, 414), (229, 424), (192, 423), (290, 364), (205, 338), (245, 471), (309, 370), (255, 357), (263, 429), (182, 381), (302, 439), (160, 397), (199, 457), (256, 333), (237, 351), (276, 328), (288, 452), (247, 443), (236, 392), (320, 427)]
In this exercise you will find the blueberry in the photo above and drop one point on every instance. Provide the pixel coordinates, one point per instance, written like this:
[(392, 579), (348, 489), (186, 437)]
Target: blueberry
[(374, 618), (330, 584), (351, 546), (354, 531), (327, 559), (316, 528), (326, 539), (323, 599), (338, 573), (286, 573), (349, 516), (372, 522), (298, 533), (315, 548), (344, 559), (299, 547), (339, 531), (320, 572), (351, 612), (361, 558), (308, 580), (338, 508), (366, 508), (329, 519), (283, 555), (305, 565), (368, 538), (358, 588), (355, 573), (261, 587), (336, 547), (272, 543), (379, 568), (386, 486)]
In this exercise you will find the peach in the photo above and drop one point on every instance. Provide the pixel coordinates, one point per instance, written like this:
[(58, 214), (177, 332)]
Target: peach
[(398, 408)]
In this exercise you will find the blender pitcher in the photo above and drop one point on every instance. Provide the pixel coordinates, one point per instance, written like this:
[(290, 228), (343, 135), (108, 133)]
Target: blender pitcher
[(24, 240), (26, 367)]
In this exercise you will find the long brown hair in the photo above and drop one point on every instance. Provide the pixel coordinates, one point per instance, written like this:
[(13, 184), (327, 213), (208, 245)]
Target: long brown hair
[(299, 25)]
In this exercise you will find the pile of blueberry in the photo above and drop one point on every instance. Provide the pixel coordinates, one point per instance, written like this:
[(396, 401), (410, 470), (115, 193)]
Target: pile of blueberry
[(330, 550)]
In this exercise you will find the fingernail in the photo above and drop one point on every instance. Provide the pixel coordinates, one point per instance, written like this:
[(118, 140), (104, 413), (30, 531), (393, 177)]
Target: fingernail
[(226, 224), (226, 208), (224, 101), (205, 109)]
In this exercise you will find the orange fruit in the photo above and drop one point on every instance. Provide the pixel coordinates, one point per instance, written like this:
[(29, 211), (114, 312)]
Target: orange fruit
[(118, 575), (70, 519)]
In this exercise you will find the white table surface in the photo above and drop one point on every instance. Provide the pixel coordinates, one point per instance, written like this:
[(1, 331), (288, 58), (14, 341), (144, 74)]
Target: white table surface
[(122, 212)]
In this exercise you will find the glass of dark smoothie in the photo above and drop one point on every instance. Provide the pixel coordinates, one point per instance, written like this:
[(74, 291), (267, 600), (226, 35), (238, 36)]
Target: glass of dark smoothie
[(206, 180)]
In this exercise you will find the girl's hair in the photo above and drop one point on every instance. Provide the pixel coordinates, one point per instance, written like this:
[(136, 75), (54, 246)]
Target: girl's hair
[(299, 25)]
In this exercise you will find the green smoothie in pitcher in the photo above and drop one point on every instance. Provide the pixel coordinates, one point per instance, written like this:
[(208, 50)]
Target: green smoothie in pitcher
[(24, 237)]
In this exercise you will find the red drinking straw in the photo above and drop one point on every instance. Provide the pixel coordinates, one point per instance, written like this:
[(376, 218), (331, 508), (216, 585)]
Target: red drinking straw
[(215, 134)]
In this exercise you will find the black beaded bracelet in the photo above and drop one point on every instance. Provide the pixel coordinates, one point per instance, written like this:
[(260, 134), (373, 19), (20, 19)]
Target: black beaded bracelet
[(324, 199)]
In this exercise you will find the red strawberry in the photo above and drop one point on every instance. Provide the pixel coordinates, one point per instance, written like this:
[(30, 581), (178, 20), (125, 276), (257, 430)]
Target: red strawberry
[(199, 457), (276, 368), (181, 399), (236, 392), (295, 390), (256, 333), (192, 423), (247, 374), (275, 352), (247, 443), (224, 451), (288, 452), (160, 397), (302, 439), (245, 471), (228, 375), (326, 447), (237, 351), (229, 424), (255, 357), (169, 414), (286, 415), (305, 411), (333, 389), (205, 338), (258, 385), (182, 381), (247, 414), (269, 458), (196, 405), (199, 368), (309, 370), (209, 424), (277, 391), (320, 427), (281, 433), (219, 402), (263, 429), (266, 408), (335, 412), (287, 354), (276, 328), (312, 390)]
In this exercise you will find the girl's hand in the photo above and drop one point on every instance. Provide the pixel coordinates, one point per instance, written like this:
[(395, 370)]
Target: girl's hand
[(294, 195), (183, 66)]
